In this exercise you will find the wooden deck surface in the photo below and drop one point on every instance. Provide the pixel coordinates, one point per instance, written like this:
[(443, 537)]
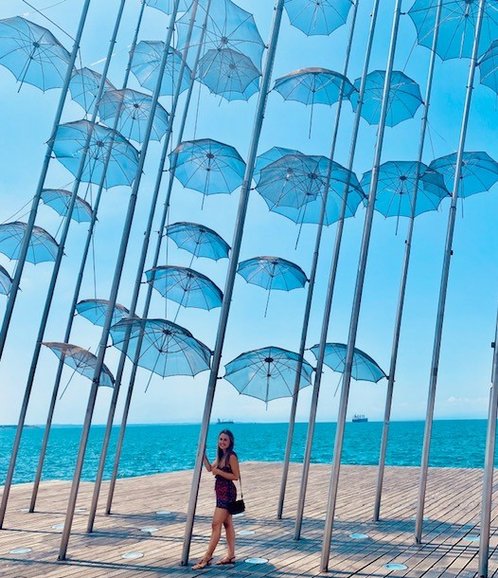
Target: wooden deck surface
[(139, 525)]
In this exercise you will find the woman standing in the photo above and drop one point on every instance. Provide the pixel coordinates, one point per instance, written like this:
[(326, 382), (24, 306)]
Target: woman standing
[(226, 470)]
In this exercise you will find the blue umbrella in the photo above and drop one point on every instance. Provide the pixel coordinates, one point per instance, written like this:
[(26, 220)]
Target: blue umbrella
[(5, 281), (488, 67), (185, 286), (396, 187), (479, 172), (317, 17), (270, 156), (227, 26), (42, 246), (199, 240), (267, 373), (59, 200), (134, 109), (228, 73), (313, 86), (145, 66), (70, 142), (208, 166), (81, 360), (167, 348), (457, 26), (32, 53), (272, 273), (364, 367), (403, 100), (84, 87), (166, 6), (95, 310)]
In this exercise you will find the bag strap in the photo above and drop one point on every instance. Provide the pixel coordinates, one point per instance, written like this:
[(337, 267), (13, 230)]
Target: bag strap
[(240, 484)]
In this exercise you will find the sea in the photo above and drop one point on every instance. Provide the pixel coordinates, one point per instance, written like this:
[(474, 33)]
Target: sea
[(150, 449)]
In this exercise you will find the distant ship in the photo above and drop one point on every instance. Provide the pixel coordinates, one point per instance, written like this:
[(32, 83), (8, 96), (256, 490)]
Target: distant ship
[(224, 420), (359, 417)]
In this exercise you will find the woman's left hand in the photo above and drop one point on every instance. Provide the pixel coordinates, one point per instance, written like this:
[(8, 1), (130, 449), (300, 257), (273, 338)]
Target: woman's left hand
[(215, 471)]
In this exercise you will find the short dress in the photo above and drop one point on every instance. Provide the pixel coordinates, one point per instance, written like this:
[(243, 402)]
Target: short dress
[(225, 490)]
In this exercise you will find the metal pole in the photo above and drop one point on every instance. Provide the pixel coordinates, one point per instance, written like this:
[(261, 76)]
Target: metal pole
[(230, 280), (148, 297), (53, 280), (404, 275), (9, 307), (311, 284), (444, 282), (360, 278), (331, 283), (138, 280), (77, 289), (487, 483), (112, 301)]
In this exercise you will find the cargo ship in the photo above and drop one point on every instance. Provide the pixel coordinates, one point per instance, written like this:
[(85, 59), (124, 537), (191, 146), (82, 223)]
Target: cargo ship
[(359, 417)]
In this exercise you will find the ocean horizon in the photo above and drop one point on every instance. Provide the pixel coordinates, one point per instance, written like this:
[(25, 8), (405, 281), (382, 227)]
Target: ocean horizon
[(159, 448)]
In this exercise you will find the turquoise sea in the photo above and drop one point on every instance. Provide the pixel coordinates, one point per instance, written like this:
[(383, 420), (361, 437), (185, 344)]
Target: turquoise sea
[(151, 449)]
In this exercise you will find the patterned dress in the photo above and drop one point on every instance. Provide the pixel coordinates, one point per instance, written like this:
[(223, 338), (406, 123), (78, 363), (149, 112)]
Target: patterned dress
[(225, 490)]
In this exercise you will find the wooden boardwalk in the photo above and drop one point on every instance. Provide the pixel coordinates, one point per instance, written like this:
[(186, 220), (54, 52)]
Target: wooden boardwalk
[(144, 536)]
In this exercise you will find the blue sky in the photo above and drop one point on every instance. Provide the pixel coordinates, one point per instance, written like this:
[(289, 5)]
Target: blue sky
[(464, 377)]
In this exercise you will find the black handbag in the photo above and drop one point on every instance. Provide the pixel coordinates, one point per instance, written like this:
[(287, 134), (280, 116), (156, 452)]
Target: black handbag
[(238, 506)]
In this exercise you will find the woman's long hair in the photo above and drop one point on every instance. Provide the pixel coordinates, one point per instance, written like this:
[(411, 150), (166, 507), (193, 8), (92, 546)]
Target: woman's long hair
[(228, 433)]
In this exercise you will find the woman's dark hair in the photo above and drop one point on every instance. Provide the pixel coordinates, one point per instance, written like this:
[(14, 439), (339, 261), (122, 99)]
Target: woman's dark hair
[(228, 433)]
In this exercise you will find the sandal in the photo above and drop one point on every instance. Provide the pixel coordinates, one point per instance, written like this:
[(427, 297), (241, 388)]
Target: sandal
[(225, 561), (202, 564)]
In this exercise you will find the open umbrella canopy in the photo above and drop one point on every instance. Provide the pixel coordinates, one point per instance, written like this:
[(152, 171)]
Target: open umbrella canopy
[(457, 25), (134, 109), (208, 166), (364, 367), (95, 310), (267, 373), (228, 73), (270, 156), (32, 53), (314, 86), (5, 281), (167, 348), (199, 240), (227, 26), (272, 273), (60, 199), (69, 146), (166, 6), (488, 67), (146, 63), (403, 101), (42, 246), (81, 360), (479, 172), (185, 286), (396, 188), (84, 87), (317, 17)]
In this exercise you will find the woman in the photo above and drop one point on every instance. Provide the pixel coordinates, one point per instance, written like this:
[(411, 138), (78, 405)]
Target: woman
[(226, 470)]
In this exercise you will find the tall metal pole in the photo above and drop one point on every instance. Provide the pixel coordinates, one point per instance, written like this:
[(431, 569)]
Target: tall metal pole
[(487, 483), (360, 278), (112, 300), (138, 279), (404, 274), (9, 307), (155, 261), (230, 280), (79, 281), (331, 283), (54, 277), (311, 284), (444, 281)]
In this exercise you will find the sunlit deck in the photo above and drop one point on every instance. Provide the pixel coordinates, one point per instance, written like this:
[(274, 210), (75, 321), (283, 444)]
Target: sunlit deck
[(450, 545)]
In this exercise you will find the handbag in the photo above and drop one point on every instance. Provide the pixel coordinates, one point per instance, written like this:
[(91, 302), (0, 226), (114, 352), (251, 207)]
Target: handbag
[(238, 506)]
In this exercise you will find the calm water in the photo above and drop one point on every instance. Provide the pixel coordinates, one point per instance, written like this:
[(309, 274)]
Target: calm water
[(151, 449)]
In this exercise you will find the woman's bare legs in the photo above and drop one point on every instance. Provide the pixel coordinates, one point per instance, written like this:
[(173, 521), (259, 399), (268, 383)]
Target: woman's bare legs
[(219, 517), (230, 534)]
